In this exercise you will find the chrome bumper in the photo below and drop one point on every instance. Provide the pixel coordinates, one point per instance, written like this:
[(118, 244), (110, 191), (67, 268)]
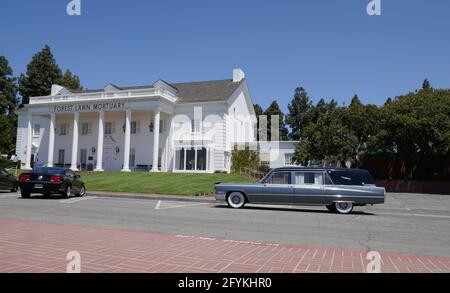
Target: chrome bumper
[(220, 196)]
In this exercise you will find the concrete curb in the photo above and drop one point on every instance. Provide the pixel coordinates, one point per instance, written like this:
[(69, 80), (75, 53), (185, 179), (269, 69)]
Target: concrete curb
[(153, 196)]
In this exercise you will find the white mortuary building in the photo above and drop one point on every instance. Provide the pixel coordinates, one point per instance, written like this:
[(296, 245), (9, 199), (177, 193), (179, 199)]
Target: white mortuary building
[(179, 127)]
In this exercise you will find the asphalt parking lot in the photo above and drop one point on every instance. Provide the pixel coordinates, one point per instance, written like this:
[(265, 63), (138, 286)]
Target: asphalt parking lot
[(410, 224)]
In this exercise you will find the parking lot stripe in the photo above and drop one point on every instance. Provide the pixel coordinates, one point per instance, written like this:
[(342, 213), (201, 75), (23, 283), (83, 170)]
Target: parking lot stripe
[(414, 215), (74, 200), (8, 196), (159, 203)]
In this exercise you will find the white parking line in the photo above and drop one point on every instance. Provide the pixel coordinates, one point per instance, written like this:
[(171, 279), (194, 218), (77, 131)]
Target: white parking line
[(415, 215), (8, 196), (77, 199), (159, 203)]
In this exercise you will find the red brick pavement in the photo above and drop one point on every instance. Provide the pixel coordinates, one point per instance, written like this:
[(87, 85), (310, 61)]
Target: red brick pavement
[(27, 246)]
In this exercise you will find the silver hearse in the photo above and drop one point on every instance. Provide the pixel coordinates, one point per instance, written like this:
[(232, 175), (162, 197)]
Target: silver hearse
[(338, 189)]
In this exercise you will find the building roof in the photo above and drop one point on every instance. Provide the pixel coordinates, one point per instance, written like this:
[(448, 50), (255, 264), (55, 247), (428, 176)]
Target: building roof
[(206, 91), (189, 92)]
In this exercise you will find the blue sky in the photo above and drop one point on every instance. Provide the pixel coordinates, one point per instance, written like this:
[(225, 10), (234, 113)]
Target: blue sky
[(332, 48)]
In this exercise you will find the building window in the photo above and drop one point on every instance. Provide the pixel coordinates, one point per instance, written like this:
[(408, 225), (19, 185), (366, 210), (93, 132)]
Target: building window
[(191, 159), (64, 129), (37, 130), (135, 127), (83, 158), (86, 128), (288, 159), (162, 126), (61, 157), (132, 157), (110, 128)]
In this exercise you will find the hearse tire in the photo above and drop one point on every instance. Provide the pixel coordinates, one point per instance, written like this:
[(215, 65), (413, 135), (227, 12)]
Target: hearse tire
[(236, 200), (25, 194), (343, 207), (331, 208)]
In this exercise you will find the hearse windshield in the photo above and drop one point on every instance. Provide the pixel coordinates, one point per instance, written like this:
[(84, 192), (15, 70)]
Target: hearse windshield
[(342, 177)]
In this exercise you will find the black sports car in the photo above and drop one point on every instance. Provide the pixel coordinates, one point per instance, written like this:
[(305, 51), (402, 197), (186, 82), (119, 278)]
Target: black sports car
[(8, 181), (48, 181)]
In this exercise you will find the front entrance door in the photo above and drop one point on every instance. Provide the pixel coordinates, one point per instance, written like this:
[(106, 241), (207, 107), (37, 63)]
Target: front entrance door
[(107, 159)]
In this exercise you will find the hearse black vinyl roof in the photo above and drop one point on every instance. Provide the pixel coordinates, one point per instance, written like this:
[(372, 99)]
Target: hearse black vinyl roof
[(318, 169)]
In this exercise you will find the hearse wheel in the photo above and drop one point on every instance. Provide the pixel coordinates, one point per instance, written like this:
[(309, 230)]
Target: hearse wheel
[(343, 207), (331, 208), (25, 194), (236, 200)]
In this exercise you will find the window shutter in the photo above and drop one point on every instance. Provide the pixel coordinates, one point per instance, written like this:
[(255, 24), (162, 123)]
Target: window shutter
[(89, 127), (113, 127)]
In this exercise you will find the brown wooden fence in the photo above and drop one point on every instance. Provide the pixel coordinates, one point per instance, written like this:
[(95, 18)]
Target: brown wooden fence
[(415, 186)]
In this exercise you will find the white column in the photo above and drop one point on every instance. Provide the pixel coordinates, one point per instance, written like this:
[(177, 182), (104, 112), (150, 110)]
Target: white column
[(207, 160), (185, 159), (196, 152), (156, 141), (76, 120), (126, 151), (29, 143), (101, 119), (51, 140)]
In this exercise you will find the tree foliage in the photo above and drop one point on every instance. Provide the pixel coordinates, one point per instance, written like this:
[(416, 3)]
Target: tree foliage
[(42, 73), (8, 87), (274, 110), (411, 127), (244, 159)]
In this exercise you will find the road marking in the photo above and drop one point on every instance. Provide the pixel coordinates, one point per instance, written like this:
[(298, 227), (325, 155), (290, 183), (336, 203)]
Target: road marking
[(74, 200), (8, 196), (415, 215), (159, 203)]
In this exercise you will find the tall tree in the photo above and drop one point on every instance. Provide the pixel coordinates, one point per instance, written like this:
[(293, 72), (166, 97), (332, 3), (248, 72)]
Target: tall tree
[(258, 112), (296, 117), (42, 73), (426, 86), (70, 81), (273, 110), (8, 87), (329, 139)]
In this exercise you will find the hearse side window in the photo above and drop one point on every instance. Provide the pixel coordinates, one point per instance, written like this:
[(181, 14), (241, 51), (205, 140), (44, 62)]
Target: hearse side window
[(351, 178), (309, 178), (280, 178)]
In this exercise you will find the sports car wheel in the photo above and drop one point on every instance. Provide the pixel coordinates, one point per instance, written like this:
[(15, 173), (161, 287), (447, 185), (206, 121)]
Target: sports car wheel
[(82, 191), (25, 194), (343, 207), (236, 200), (67, 192)]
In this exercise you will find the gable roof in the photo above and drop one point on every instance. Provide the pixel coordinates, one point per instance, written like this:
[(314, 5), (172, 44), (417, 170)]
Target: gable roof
[(206, 91), (191, 92)]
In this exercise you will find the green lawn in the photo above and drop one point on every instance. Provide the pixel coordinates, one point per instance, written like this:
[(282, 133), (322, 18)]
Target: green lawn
[(157, 183)]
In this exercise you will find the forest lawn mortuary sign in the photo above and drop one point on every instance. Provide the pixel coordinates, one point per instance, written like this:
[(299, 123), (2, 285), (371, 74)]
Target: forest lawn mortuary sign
[(89, 107)]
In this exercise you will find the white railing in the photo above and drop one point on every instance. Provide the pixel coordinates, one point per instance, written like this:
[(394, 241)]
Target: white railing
[(104, 95)]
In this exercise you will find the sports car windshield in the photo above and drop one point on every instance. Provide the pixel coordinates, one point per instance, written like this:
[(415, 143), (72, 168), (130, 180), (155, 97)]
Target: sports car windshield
[(50, 171)]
